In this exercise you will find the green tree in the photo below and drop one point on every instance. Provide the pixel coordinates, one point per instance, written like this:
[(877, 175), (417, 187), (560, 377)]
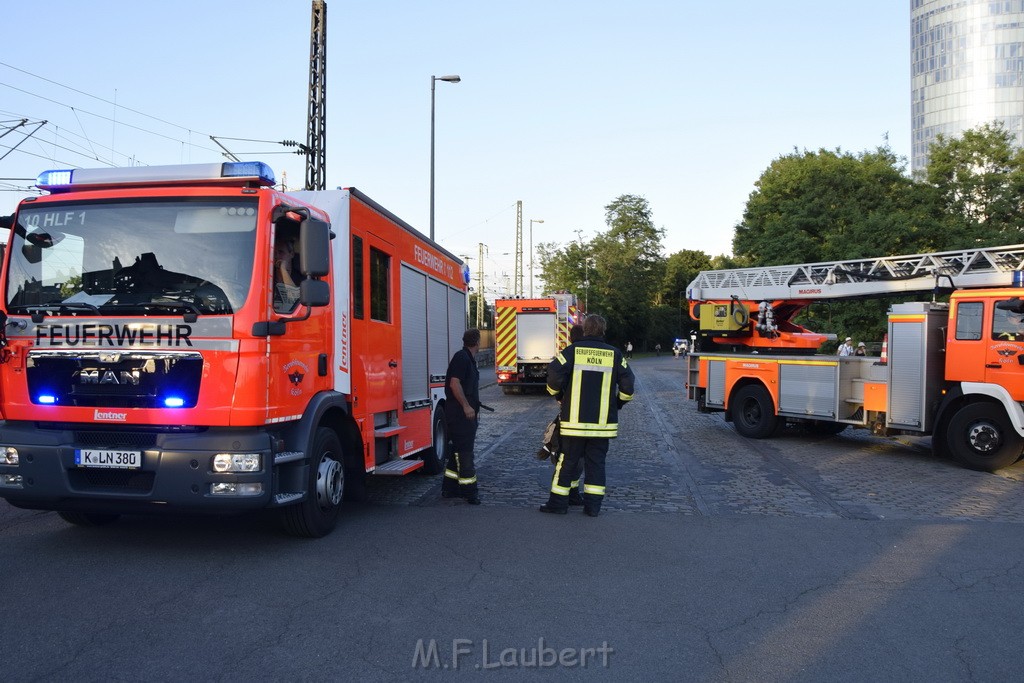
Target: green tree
[(977, 181), (624, 266), (831, 205), (628, 268)]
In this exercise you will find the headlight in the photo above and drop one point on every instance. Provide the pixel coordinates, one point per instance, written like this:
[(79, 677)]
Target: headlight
[(237, 462), (11, 456)]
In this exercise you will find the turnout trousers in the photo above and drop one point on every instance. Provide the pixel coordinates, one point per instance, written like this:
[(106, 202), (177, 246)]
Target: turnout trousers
[(460, 469), (592, 454)]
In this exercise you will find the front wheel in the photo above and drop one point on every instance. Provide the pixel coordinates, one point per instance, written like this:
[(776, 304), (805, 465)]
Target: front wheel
[(317, 515), (753, 412), (980, 437)]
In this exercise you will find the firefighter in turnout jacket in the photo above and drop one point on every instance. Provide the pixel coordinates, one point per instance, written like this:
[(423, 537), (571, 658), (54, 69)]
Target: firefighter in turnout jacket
[(592, 381)]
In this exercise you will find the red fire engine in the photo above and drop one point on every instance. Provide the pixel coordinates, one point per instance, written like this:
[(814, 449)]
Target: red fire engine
[(165, 352)]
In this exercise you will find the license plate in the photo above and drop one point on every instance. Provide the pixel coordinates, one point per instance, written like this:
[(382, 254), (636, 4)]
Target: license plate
[(128, 460)]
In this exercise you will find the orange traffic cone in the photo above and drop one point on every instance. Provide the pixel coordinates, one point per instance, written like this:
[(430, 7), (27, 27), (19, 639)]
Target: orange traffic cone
[(885, 349)]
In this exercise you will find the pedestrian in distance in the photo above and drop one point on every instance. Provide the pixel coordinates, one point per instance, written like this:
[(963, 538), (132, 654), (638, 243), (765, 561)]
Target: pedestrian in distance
[(592, 381), (861, 350), (629, 350), (657, 349), (462, 405), (846, 348)]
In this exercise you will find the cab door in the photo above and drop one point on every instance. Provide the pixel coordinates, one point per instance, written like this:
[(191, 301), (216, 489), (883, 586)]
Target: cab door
[(298, 358), (1005, 348)]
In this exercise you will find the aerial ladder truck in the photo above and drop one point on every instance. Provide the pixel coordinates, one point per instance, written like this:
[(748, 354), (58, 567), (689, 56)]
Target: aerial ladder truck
[(953, 370)]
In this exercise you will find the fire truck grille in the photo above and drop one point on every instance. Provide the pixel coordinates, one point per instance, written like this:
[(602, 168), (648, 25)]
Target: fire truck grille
[(115, 379), (118, 480), (104, 439)]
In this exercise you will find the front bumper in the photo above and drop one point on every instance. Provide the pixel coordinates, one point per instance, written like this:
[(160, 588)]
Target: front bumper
[(176, 472)]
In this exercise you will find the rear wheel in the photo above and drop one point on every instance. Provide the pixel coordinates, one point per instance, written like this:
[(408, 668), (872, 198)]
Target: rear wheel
[(434, 457), (87, 518), (753, 412), (980, 437), (317, 515)]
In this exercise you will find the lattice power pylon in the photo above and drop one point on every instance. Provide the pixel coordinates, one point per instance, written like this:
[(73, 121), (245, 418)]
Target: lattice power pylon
[(518, 279), (316, 122)]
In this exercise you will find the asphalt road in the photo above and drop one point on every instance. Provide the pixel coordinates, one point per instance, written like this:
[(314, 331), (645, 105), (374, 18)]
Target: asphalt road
[(716, 558)]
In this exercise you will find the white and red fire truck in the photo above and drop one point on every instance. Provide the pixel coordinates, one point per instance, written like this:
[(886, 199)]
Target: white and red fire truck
[(528, 333), (153, 361), (953, 370)]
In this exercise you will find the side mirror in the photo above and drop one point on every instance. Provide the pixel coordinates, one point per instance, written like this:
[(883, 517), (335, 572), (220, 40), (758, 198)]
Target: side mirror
[(314, 293), (314, 248), (7, 222)]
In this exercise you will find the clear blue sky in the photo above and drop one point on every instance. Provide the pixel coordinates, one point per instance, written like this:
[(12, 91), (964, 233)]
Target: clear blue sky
[(564, 105)]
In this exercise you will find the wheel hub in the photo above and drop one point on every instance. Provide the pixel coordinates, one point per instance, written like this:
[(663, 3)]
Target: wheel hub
[(984, 437), (330, 482), (752, 412)]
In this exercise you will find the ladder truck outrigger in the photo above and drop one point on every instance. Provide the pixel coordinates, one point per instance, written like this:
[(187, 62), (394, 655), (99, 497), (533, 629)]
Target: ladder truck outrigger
[(954, 371)]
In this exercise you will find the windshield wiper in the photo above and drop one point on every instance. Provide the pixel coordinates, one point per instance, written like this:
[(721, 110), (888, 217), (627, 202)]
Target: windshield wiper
[(39, 312), (191, 312)]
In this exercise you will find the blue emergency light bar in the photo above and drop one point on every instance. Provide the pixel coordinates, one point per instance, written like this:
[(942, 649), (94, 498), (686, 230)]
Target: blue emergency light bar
[(64, 180)]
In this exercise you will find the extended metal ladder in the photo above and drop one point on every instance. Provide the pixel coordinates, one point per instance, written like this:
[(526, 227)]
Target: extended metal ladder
[(968, 268)]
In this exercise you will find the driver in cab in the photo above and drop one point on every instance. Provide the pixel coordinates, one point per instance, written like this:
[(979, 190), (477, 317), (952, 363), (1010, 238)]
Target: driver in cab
[(1008, 320), (286, 276)]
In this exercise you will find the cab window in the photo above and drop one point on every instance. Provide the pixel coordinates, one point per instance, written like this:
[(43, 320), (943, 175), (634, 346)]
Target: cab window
[(286, 268), (968, 320), (380, 286), (1007, 325)]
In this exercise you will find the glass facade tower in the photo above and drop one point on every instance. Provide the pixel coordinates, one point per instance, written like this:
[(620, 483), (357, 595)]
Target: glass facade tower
[(967, 69)]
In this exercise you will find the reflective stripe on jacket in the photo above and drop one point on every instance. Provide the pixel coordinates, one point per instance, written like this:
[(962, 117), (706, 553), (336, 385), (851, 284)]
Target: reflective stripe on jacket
[(591, 379)]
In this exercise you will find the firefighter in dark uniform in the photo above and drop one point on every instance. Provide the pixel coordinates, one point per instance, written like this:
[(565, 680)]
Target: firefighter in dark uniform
[(462, 403), (592, 381)]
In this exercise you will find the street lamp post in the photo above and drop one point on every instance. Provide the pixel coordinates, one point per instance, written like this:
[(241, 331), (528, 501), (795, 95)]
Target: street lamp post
[(532, 221), (454, 78), (586, 284)]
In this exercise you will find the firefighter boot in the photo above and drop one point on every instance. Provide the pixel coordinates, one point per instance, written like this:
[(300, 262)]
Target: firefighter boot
[(556, 505), (593, 496)]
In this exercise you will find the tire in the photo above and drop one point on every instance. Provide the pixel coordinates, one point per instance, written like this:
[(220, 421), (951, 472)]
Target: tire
[(825, 428), (87, 518), (434, 457), (980, 437), (753, 412), (317, 515)]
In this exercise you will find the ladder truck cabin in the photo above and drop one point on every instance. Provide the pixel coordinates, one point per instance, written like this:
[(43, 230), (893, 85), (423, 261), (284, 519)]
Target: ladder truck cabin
[(164, 352), (954, 370), (528, 333)]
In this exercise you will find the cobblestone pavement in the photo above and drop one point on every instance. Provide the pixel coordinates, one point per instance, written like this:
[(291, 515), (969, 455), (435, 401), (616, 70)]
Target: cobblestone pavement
[(670, 458)]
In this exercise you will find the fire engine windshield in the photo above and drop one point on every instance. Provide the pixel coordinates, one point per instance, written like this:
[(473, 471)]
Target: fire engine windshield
[(186, 256)]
